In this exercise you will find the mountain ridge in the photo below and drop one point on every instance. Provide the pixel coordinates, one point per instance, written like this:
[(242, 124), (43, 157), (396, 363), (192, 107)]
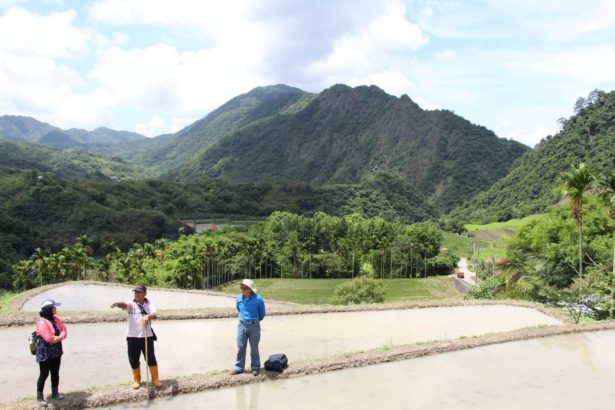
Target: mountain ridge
[(532, 183), (28, 129), (344, 133)]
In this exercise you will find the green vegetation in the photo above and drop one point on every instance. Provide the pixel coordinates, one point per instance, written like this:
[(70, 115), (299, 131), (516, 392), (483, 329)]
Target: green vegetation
[(459, 244), (6, 298), (512, 225), (68, 164), (534, 182), (321, 291), (41, 210), (359, 290), (542, 261), (344, 135), (285, 245), (20, 128), (492, 239)]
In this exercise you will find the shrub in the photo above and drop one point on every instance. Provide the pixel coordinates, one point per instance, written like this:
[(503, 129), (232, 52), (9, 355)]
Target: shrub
[(368, 270), (485, 289), (360, 290)]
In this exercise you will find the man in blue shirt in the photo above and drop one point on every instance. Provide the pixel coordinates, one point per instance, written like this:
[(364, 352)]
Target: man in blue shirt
[(251, 309)]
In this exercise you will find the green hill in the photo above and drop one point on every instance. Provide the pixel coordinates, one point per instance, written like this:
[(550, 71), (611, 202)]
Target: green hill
[(167, 151), (344, 134), (66, 164), (531, 185), (20, 128), (43, 210)]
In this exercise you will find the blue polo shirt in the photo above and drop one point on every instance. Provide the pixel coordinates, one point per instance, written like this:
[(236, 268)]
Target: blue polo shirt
[(250, 309)]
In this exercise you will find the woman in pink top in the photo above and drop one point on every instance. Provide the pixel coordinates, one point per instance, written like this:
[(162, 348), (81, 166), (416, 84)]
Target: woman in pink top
[(49, 349)]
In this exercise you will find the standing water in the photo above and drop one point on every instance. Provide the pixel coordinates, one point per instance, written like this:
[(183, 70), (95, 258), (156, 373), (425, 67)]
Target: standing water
[(561, 372), (186, 347)]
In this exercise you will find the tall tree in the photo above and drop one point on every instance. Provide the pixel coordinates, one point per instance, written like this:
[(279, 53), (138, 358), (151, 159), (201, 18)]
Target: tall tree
[(576, 182), (606, 189)]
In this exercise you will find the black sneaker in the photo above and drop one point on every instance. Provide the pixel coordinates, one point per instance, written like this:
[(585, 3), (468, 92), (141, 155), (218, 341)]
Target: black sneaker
[(236, 371), (255, 372)]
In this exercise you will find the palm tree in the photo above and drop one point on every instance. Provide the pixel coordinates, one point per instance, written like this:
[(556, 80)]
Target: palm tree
[(606, 189), (576, 182)]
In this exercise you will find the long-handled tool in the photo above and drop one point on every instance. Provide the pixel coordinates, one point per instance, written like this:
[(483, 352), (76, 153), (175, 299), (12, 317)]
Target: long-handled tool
[(146, 363)]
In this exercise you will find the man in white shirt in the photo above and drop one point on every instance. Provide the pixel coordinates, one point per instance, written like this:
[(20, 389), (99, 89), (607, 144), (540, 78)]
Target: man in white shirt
[(140, 312)]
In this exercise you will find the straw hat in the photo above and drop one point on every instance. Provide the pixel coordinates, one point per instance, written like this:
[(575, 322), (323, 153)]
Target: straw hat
[(249, 283)]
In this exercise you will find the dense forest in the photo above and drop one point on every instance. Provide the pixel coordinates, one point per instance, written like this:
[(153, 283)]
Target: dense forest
[(532, 183), (42, 210), (343, 134), (68, 164), (285, 245), (543, 264)]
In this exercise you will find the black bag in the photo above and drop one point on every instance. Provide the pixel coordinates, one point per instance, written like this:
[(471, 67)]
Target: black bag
[(276, 362)]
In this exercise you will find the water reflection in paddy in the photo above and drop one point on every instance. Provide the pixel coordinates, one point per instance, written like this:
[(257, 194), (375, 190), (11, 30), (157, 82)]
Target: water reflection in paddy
[(99, 297), (563, 372), (197, 346)]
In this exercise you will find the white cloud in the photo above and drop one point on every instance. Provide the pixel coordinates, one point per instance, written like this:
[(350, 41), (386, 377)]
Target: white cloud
[(587, 64), (41, 88), (209, 17), (249, 48), (378, 54), (172, 84), (446, 55), (9, 3), (169, 63), (53, 35)]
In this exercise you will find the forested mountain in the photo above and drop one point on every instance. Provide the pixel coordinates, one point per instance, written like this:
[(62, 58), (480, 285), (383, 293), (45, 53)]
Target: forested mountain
[(66, 164), (167, 151), (19, 128), (344, 134), (531, 185), (43, 210)]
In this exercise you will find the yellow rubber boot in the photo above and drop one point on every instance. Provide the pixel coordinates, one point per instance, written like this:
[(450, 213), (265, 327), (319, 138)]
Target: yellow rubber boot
[(154, 372), (136, 378)]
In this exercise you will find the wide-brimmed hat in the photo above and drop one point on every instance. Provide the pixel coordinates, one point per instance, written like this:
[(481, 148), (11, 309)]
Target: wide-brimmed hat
[(140, 288), (48, 304), (249, 283)]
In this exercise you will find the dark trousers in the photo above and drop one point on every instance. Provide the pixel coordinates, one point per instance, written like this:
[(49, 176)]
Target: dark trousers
[(49, 366), (136, 345)]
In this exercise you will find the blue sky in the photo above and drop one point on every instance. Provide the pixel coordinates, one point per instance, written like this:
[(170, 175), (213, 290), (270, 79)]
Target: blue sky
[(155, 66)]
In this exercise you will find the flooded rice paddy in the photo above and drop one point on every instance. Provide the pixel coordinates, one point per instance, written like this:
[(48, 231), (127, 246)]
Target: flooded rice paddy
[(95, 354), (573, 371), (99, 297)]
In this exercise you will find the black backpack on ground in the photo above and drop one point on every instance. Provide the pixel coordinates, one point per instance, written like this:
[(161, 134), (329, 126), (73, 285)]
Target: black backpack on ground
[(276, 362)]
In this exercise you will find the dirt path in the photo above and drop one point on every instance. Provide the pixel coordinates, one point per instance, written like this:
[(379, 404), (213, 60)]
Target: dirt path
[(95, 353)]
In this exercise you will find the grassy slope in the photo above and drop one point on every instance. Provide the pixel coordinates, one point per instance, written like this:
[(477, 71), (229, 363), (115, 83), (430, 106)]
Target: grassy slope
[(320, 291), (493, 237), (457, 243), (6, 298)]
